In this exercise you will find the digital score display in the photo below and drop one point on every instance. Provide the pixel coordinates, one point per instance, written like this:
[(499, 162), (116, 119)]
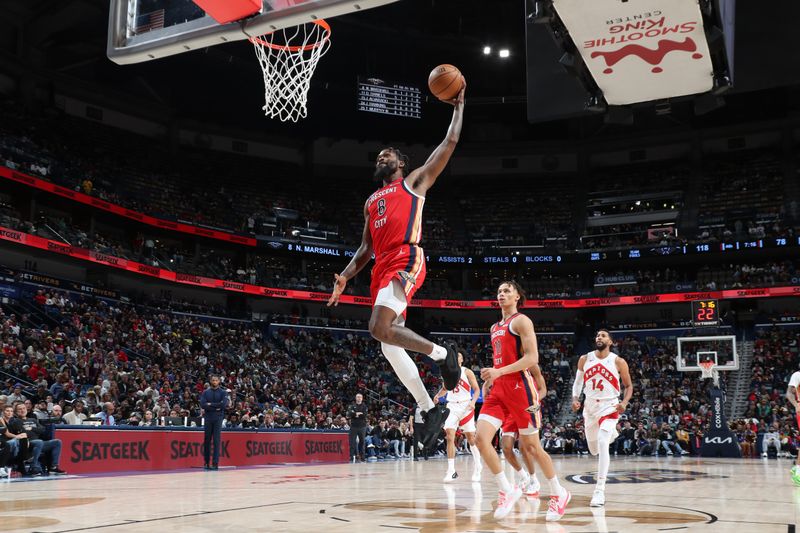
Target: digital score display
[(387, 98), (705, 313)]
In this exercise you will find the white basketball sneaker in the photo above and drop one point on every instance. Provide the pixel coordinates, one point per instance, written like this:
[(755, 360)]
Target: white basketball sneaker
[(532, 488), (449, 477), (506, 501), (598, 498)]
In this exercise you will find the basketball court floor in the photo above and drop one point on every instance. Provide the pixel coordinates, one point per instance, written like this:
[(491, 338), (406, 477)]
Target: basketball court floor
[(643, 494)]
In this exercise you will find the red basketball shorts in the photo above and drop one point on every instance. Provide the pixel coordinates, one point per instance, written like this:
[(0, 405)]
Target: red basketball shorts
[(513, 402), (405, 264)]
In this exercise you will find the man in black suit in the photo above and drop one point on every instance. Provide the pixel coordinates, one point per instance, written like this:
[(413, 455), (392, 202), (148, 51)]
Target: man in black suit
[(357, 415), (213, 401)]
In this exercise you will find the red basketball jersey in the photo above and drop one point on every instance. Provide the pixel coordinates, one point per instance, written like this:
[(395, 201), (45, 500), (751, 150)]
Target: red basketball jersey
[(506, 345), (395, 217)]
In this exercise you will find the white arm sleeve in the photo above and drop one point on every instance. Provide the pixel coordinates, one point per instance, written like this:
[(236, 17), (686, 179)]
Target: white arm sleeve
[(577, 386)]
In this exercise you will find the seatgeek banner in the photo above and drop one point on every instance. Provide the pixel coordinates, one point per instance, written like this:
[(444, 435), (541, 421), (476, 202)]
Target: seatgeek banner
[(99, 203), (34, 241), (90, 451)]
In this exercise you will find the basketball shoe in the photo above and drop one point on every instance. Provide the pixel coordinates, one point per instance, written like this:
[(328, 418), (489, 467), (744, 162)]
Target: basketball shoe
[(476, 474), (532, 487), (506, 501), (598, 498), (558, 506), (434, 421), (449, 368), (449, 477)]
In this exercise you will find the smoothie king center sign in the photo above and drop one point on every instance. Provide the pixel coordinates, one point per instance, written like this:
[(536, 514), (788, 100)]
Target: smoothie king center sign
[(640, 50)]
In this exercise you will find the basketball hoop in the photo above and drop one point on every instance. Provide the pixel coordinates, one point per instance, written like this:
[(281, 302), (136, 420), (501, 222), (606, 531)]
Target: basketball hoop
[(288, 58), (707, 369)]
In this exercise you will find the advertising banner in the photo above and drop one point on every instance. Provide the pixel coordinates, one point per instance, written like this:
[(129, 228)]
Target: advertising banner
[(87, 451)]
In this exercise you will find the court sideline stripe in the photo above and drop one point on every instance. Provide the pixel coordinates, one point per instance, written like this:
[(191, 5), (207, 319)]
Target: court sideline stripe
[(201, 513)]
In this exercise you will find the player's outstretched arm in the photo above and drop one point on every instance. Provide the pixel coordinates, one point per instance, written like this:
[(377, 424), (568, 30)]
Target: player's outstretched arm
[(625, 374), (358, 262), (423, 178)]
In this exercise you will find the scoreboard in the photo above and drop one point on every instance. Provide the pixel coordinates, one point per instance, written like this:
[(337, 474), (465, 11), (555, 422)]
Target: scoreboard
[(387, 98), (705, 313)]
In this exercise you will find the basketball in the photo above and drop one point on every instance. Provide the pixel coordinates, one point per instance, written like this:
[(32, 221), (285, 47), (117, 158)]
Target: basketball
[(444, 82)]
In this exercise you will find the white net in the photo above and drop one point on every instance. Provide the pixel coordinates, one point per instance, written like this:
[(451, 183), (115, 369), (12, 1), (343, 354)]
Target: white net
[(288, 58), (707, 369)]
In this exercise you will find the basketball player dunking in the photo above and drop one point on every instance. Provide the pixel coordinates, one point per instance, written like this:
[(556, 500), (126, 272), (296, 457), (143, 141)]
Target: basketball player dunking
[(793, 395), (392, 230), (512, 394), (599, 374), (461, 403)]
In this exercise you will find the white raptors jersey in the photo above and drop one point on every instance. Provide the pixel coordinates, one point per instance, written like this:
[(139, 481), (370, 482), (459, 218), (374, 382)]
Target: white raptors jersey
[(601, 377), (462, 392)]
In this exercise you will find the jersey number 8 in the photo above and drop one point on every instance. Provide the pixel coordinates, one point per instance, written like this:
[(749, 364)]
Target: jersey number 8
[(381, 207)]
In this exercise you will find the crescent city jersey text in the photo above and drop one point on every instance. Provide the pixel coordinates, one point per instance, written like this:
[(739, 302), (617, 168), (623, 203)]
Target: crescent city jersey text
[(395, 217)]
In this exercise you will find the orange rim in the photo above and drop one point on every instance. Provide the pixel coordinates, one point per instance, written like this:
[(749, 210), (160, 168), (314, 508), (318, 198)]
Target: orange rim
[(321, 23)]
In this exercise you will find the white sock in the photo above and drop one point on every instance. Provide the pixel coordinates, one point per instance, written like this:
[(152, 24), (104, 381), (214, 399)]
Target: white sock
[(604, 460), (502, 482), (439, 353), (451, 465), (535, 482), (476, 454), (523, 476), (408, 373), (555, 487)]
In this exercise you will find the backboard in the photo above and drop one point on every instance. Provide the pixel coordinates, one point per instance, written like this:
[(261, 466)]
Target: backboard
[(143, 30), (720, 349)]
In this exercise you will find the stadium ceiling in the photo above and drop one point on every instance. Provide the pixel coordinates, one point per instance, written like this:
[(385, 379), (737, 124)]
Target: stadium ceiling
[(64, 43)]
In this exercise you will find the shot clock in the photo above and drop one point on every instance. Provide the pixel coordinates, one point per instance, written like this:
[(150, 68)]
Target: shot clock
[(705, 313)]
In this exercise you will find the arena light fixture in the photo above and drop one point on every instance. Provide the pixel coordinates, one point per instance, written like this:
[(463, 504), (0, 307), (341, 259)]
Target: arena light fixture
[(504, 52), (487, 50)]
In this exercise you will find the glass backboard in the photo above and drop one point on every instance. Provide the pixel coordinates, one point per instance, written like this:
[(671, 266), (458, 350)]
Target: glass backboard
[(143, 30), (694, 350)]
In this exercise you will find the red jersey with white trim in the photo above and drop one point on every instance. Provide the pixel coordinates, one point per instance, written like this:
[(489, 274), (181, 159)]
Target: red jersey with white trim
[(395, 217), (463, 391), (506, 346), (600, 377)]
